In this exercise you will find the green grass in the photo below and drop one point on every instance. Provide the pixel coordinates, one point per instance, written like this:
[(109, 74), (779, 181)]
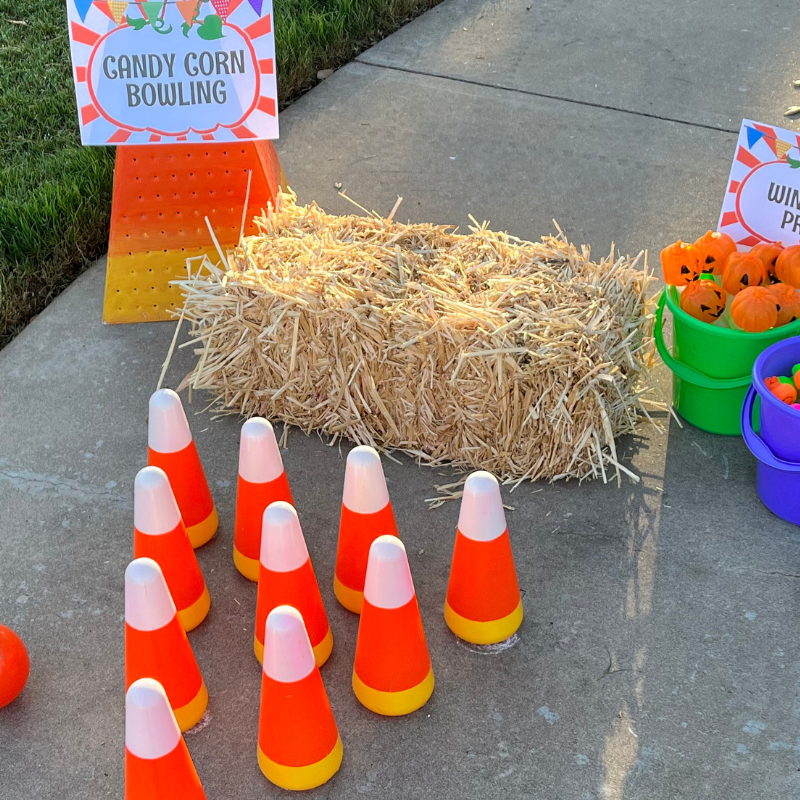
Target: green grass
[(55, 195)]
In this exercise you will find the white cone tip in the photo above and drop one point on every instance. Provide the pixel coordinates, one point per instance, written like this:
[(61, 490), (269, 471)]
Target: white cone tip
[(259, 455), (148, 603), (288, 656), (167, 428), (151, 730), (365, 489), (283, 547), (481, 517), (388, 582), (154, 508)]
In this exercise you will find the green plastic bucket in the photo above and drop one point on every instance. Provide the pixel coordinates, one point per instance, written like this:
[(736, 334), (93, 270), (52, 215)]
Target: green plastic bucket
[(712, 366)]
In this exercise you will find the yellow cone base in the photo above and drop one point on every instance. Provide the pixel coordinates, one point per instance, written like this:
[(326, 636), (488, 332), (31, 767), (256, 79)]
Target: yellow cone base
[(249, 567), (299, 778), (483, 632), (192, 616), (393, 704), (204, 531), (189, 715), (351, 599), (321, 652)]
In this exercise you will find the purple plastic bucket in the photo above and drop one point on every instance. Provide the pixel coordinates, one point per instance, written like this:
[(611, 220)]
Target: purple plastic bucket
[(778, 447)]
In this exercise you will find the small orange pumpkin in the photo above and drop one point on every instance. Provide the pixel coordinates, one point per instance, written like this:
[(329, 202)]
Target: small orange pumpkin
[(753, 309), (768, 252), (743, 270), (713, 250), (680, 263), (703, 300), (787, 267), (787, 302), (785, 391)]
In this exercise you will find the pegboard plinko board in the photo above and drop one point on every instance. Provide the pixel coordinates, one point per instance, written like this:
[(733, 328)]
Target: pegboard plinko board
[(162, 193)]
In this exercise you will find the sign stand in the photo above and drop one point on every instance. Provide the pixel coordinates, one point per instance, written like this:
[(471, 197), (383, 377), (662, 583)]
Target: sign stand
[(162, 194)]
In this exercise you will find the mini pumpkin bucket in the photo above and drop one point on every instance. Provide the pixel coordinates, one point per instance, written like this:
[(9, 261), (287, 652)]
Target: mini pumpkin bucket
[(711, 365), (777, 447)]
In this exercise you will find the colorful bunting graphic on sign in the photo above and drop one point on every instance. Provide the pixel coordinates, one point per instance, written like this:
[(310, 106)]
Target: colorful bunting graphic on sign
[(782, 148), (152, 10), (118, 9), (256, 4), (753, 137), (188, 9), (222, 7), (83, 7), (102, 5)]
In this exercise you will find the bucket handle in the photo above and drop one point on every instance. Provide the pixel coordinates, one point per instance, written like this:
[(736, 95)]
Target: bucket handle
[(684, 371), (755, 444)]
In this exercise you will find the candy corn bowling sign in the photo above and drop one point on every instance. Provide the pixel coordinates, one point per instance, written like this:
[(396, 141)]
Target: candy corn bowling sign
[(185, 70), (187, 90)]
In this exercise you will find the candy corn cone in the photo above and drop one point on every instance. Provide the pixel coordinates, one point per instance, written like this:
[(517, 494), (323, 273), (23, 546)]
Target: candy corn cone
[(392, 674), (483, 603), (298, 741), (287, 579), (157, 764), (262, 480), (366, 514), (171, 447), (156, 645), (158, 533)]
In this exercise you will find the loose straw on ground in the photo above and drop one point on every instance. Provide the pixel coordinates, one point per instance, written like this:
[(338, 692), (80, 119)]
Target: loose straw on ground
[(479, 350)]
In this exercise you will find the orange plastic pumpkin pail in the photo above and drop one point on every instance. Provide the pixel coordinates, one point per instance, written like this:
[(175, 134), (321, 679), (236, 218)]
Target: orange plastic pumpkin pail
[(711, 366)]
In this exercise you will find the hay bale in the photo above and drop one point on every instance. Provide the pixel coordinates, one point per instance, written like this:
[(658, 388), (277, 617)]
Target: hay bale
[(482, 350)]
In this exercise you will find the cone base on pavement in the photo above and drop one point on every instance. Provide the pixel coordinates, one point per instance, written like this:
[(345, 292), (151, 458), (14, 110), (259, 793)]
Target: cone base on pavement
[(394, 704), (189, 715), (249, 567), (321, 652), (483, 632), (301, 778), (192, 616), (351, 599), (204, 531)]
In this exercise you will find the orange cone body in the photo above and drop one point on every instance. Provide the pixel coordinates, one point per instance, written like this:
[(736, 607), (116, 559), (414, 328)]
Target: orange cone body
[(171, 447), (262, 480), (158, 533), (156, 645), (157, 764), (392, 674), (287, 579), (366, 515), (483, 603), (298, 742)]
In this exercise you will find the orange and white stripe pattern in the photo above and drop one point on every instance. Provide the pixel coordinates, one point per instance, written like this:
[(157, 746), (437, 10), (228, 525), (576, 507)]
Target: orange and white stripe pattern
[(159, 533), (392, 674), (262, 480), (287, 578), (298, 741), (366, 514), (483, 603), (156, 645), (171, 447), (157, 764)]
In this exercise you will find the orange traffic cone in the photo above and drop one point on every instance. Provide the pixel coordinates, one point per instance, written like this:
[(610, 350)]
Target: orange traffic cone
[(483, 603), (287, 578), (392, 674), (298, 742), (158, 533), (157, 764), (171, 447), (366, 514), (156, 645), (262, 480)]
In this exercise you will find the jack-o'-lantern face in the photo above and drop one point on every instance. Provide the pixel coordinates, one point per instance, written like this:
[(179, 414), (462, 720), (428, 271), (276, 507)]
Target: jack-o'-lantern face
[(713, 250), (680, 264), (703, 300), (787, 302), (743, 271)]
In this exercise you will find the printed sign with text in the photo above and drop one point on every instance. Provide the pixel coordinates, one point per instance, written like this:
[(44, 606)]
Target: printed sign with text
[(175, 71), (762, 201)]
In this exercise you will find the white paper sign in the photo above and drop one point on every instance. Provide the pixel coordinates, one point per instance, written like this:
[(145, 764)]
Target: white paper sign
[(177, 71), (762, 202)]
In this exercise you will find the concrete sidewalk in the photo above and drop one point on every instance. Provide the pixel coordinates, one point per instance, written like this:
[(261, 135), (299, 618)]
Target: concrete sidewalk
[(660, 653)]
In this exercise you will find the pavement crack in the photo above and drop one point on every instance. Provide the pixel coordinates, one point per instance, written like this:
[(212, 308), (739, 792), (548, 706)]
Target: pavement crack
[(547, 96), (45, 484)]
